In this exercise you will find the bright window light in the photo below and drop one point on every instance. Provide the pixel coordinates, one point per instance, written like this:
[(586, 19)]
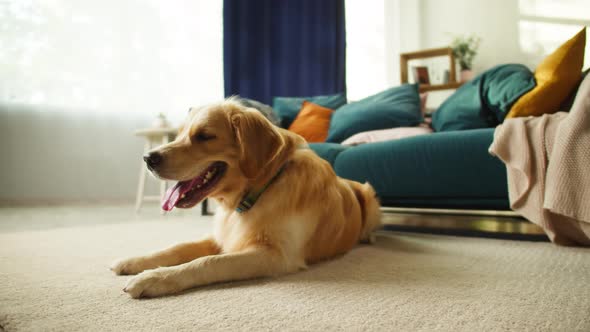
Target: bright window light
[(136, 56), (546, 24), (562, 9), (365, 48), (543, 38)]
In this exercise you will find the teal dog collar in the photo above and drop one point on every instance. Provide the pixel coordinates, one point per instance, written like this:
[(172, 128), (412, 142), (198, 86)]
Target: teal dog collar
[(252, 196)]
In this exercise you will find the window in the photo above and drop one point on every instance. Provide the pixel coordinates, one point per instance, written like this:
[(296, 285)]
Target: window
[(136, 56), (545, 24)]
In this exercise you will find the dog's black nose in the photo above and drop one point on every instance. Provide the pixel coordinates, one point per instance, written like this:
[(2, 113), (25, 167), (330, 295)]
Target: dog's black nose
[(152, 159)]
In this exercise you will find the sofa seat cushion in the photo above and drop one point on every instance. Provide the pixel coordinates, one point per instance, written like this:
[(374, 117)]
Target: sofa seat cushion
[(451, 168), (328, 151)]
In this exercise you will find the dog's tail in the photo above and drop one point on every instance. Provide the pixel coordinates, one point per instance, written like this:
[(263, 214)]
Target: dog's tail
[(370, 209)]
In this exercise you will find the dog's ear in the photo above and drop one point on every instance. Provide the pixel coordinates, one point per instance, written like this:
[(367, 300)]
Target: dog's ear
[(259, 141)]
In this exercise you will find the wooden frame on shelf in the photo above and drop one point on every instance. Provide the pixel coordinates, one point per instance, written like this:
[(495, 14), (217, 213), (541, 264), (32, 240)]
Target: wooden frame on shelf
[(404, 58)]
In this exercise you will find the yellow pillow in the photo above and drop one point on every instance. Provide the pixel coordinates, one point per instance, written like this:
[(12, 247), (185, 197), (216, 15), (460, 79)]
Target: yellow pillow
[(312, 122), (556, 77)]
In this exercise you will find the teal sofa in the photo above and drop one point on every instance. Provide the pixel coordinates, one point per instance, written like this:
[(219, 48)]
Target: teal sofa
[(451, 170), (448, 169)]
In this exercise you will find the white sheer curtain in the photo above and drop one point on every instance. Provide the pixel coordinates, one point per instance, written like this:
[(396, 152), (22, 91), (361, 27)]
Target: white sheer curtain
[(124, 56), (366, 58), (376, 32)]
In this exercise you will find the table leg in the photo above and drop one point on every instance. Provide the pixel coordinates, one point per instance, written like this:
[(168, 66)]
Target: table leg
[(142, 176), (163, 183), (205, 208)]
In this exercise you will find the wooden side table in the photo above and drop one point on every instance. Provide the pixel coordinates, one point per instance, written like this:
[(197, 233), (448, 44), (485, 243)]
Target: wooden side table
[(153, 138)]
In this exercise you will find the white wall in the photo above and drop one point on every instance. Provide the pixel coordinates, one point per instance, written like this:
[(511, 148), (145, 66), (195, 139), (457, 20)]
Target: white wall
[(496, 22), (402, 34), (512, 31), (55, 154)]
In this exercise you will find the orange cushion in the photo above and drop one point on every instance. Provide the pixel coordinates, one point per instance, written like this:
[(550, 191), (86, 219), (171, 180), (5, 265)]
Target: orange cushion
[(558, 74), (312, 122)]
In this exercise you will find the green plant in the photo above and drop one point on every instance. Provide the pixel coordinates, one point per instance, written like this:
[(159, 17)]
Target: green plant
[(465, 49)]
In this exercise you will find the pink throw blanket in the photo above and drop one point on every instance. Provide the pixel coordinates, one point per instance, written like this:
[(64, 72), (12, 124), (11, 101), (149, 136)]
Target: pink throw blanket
[(548, 163)]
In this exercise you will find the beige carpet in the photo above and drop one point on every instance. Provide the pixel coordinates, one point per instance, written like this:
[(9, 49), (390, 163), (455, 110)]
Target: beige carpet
[(58, 280)]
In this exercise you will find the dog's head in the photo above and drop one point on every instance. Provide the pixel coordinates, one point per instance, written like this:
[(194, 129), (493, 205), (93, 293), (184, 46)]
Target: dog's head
[(217, 140)]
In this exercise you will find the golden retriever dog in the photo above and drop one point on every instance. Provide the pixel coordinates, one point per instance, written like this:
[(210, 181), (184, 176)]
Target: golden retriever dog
[(280, 206)]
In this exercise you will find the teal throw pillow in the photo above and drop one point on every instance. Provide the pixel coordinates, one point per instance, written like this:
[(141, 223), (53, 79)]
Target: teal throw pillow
[(288, 107), (461, 111), (395, 107), (484, 101), (502, 86)]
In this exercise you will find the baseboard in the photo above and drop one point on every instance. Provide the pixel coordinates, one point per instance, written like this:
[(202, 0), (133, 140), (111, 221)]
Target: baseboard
[(61, 202)]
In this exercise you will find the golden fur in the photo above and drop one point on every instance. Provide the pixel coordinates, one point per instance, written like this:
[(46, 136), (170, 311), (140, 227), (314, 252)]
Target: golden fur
[(306, 215)]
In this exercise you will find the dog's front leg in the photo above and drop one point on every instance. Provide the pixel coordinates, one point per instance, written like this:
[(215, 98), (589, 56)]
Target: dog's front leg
[(247, 264), (175, 255)]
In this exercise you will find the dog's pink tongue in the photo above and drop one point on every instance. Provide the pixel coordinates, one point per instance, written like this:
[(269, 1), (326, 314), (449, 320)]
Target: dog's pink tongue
[(174, 194), (172, 197)]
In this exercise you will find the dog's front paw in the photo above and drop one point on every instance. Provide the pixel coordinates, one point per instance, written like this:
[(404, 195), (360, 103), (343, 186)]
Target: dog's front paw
[(129, 266), (152, 283)]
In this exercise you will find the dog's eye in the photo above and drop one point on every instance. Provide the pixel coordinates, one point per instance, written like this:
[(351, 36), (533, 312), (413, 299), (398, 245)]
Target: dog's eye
[(202, 137)]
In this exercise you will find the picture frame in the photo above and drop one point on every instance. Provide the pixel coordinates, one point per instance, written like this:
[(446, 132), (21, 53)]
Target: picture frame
[(420, 74), (406, 70)]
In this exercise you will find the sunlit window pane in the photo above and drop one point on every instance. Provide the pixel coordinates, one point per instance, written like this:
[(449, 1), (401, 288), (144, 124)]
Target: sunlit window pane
[(128, 56), (570, 9), (540, 39)]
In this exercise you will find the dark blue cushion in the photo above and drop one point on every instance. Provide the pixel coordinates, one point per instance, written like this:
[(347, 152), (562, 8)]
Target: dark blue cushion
[(288, 107), (484, 101), (395, 107)]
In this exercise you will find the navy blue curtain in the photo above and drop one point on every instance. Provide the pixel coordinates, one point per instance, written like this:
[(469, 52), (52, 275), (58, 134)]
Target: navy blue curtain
[(283, 48)]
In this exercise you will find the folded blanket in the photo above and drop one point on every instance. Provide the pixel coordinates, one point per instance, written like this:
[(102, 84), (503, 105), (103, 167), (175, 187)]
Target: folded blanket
[(548, 164)]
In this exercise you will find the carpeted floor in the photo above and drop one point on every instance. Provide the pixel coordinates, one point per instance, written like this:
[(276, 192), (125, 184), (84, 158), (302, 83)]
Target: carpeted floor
[(56, 278)]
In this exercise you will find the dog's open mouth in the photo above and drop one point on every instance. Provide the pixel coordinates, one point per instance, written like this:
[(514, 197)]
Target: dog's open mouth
[(186, 194)]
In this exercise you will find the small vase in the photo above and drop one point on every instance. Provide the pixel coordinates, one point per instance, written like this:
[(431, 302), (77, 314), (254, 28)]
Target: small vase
[(160, 121), (466, 75)]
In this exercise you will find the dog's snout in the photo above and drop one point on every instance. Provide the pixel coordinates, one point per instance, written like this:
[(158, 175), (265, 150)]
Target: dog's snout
[(152, 159)]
